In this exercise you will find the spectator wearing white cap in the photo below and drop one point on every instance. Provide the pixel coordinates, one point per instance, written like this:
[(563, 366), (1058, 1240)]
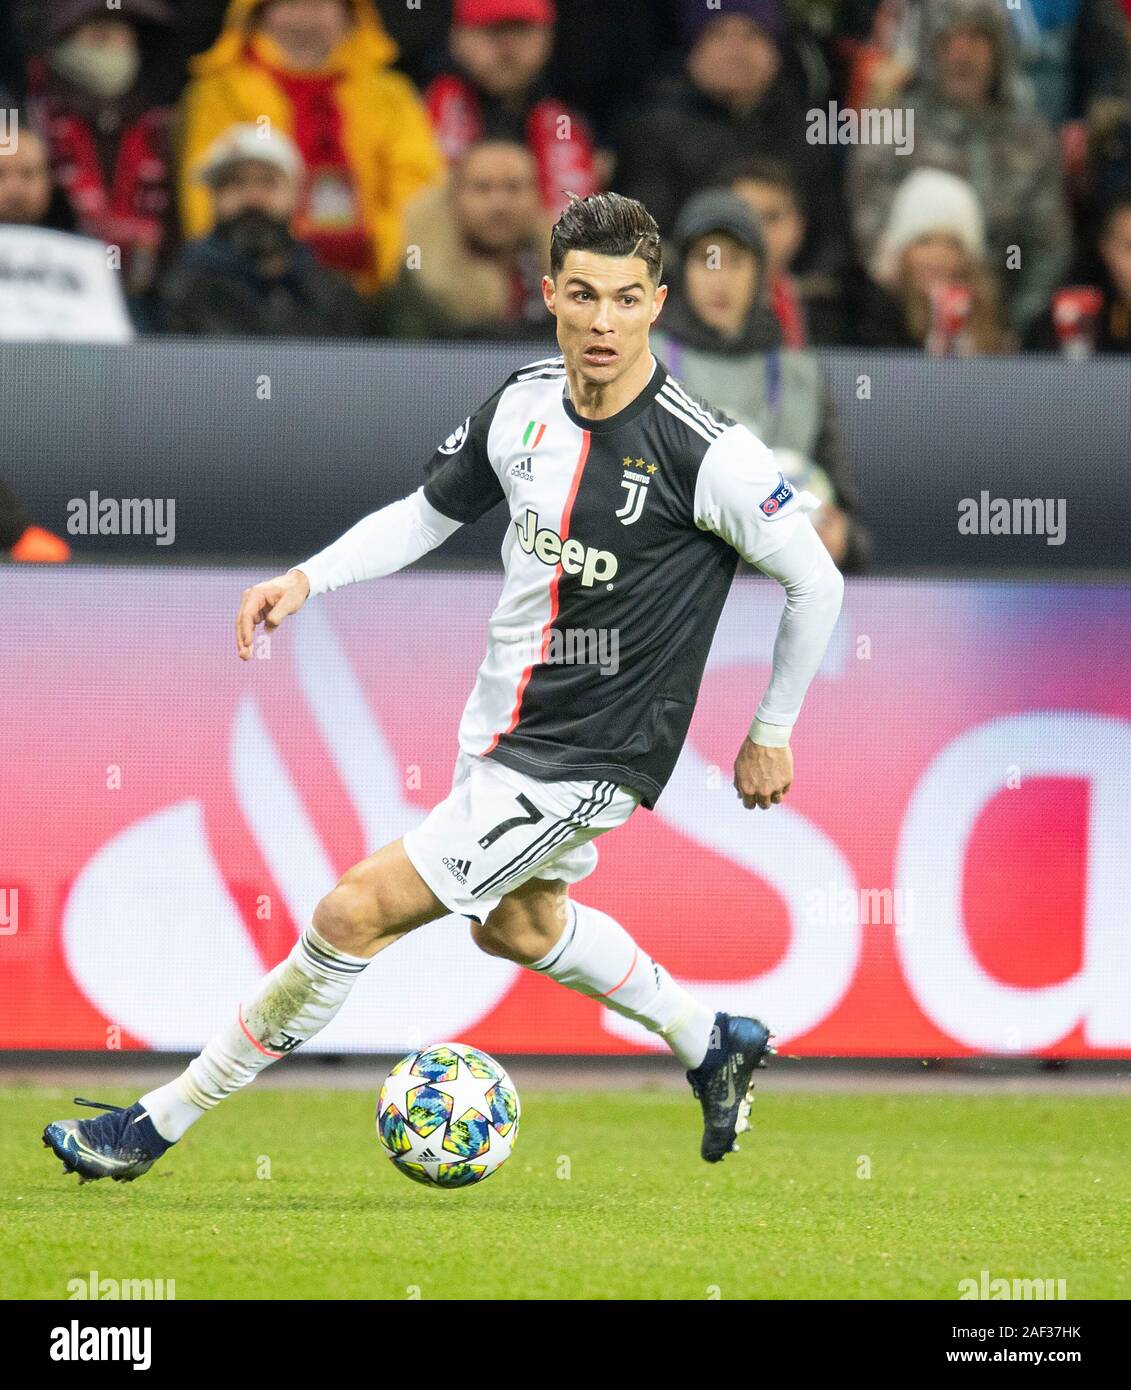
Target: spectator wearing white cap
[(319, 70), (970, 119), (931, 260), (250, 275)]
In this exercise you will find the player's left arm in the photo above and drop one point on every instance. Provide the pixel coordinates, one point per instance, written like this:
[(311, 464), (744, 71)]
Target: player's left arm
[(742, 498)]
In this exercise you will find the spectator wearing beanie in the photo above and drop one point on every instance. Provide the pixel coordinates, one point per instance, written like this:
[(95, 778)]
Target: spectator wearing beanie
[(250, 275), (970, 120), (734, 100), (108, 136), (318, 71), (495, 87), (934, 239), (720, 339)]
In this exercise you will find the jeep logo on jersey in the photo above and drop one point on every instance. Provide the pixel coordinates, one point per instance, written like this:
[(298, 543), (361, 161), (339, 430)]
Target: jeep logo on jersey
[(594, 566), (779, 497), (456, 440)]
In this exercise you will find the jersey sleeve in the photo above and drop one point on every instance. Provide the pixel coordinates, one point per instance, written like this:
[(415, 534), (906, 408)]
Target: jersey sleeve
[(743, 497), (460, 479)]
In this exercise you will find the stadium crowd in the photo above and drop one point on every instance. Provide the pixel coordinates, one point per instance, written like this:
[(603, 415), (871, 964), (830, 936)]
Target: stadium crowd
[(948, 176)]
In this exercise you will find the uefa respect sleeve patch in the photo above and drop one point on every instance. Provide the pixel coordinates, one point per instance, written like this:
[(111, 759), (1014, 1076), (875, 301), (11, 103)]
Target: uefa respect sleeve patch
[(778, 498)]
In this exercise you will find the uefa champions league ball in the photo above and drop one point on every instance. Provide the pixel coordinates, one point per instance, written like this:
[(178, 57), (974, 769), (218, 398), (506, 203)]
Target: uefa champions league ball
[(447, 1115)]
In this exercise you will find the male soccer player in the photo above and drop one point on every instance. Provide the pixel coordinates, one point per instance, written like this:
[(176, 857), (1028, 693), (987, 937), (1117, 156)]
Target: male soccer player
[(630, 502)]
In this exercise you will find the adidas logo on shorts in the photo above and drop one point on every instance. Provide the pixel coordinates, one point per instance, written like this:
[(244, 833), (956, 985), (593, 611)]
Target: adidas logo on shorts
[(458, 868)]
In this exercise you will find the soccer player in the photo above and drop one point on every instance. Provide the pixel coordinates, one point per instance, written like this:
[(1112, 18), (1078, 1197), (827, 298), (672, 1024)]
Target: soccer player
[(630, 502)]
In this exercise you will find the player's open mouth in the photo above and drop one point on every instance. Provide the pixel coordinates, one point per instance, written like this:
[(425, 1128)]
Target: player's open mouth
[(600, 354)]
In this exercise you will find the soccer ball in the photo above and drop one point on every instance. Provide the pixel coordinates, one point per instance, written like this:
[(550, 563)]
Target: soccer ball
[(447, 1115)]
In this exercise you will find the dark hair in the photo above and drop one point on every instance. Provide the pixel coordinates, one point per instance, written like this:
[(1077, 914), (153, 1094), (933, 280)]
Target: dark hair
[(757, 169), (611, 225)]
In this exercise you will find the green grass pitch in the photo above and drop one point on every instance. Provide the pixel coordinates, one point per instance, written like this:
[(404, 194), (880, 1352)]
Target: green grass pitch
[(604, 1198)]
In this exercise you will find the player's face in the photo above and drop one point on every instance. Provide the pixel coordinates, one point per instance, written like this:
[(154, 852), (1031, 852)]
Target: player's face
[(604, 306)]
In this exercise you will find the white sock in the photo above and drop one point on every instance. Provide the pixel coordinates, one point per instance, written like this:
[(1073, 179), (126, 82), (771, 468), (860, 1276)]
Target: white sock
[(597, 957), (294, 1001)]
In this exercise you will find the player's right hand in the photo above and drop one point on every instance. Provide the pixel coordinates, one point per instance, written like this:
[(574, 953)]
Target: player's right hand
[(269, 603)]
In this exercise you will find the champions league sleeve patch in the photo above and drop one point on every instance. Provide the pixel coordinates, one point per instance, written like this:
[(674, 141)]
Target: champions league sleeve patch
[(455, 441), (778, 498)]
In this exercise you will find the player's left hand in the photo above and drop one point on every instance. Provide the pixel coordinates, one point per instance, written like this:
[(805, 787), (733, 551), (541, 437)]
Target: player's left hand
[(762, 775)]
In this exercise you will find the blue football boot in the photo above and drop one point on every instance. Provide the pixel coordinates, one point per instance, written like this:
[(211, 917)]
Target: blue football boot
[(122, 1144), (723, 1083)]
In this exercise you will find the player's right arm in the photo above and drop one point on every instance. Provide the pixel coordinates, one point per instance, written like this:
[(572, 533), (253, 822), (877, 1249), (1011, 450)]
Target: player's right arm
[(381, 543), (461, 485)]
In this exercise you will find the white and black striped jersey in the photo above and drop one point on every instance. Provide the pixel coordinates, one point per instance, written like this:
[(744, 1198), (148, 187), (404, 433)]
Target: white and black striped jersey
[(622, 541)]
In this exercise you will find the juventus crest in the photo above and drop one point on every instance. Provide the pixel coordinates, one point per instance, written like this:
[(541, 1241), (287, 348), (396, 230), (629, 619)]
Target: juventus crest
[(637, 476)]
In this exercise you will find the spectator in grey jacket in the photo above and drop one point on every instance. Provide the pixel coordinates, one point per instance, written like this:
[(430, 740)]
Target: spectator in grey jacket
[(971, 121), (718, 335), (1073, 53)]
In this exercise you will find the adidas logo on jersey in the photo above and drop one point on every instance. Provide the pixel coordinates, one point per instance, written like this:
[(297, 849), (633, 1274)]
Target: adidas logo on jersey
[(593, 565), (458, 868), (524, 469)]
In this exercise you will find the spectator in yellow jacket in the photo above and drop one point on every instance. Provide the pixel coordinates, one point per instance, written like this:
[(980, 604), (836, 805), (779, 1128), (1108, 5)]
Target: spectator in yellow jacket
[(318, 70)]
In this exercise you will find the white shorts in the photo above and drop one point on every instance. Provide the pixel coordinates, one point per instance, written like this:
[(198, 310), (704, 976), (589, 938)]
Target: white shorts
[(497, 828)]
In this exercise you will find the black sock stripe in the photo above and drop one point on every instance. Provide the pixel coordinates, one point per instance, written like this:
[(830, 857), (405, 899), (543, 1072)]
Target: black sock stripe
[(565, 946), (321, 957)]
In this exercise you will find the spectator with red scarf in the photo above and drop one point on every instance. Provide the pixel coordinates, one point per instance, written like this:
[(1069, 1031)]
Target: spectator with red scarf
[(319, 72), (1109, 330), (108, 136), (495, 89)]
